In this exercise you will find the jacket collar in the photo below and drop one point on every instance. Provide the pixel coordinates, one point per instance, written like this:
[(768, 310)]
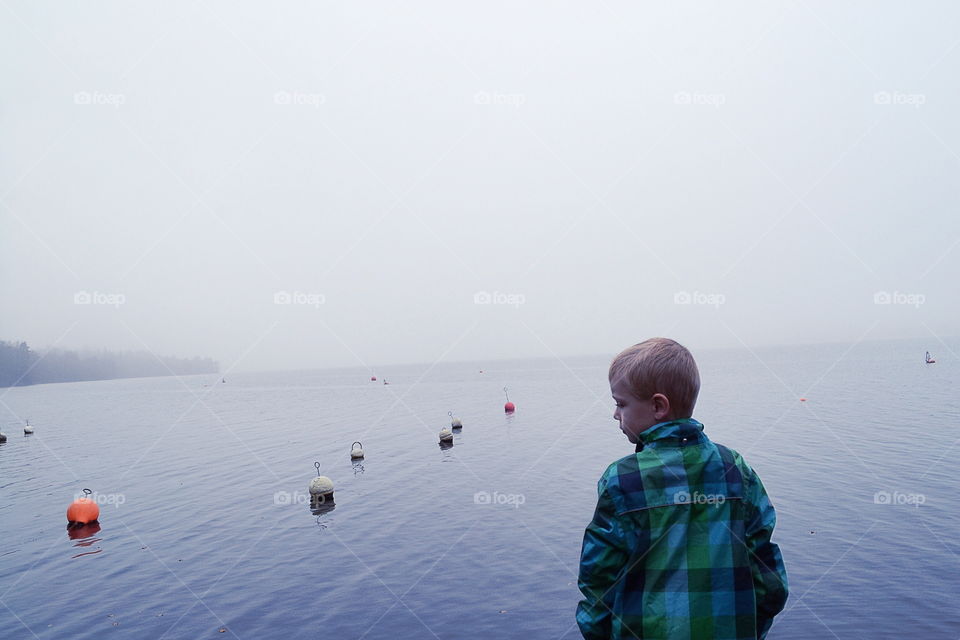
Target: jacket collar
[(682, 430)]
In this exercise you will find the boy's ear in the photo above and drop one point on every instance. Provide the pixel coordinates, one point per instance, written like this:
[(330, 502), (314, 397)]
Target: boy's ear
[(661, 406)]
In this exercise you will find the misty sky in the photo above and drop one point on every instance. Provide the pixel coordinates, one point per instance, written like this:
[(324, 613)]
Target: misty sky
[(330, 184)]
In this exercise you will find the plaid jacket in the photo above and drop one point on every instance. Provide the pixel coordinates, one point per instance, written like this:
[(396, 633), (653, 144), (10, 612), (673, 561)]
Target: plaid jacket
[(679, 546)]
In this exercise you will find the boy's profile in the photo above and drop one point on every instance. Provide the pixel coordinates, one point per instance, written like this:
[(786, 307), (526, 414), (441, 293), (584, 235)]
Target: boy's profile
[(679, 546)]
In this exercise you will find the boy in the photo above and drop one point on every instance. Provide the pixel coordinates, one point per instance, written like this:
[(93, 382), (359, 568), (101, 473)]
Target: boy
[(679, 546)]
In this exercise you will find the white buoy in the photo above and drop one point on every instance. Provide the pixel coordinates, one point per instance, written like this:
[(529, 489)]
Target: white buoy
[(27, 430), (321, 489), (356, 453), (454, 421), (446, 435), (3, 437)]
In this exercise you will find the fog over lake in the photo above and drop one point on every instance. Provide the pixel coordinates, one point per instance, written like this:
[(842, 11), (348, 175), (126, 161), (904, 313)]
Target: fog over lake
[(285, 187)]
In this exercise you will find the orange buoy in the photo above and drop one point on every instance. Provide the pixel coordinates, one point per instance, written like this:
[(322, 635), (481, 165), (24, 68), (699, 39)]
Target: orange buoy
[(83, 510), (803, 399), (509, 407)]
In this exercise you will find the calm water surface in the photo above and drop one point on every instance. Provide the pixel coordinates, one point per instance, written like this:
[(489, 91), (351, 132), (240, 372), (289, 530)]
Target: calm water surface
[(204, 524)]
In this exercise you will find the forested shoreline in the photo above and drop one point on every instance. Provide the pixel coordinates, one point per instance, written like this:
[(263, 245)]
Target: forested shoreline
[(20, 365)]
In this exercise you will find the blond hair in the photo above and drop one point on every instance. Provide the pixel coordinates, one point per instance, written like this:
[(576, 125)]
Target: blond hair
[(660, 365)]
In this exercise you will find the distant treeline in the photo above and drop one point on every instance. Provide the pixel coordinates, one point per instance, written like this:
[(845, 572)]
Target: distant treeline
[(20, 365)]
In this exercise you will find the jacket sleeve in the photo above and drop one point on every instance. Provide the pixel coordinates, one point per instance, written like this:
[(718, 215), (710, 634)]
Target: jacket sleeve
[(603, 557), (769, 574)]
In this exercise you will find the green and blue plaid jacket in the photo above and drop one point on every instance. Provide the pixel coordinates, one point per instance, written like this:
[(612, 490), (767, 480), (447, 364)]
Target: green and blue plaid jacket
[(679, 546)]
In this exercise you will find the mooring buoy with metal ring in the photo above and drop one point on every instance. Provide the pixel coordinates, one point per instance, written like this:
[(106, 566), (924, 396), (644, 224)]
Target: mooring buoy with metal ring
[(321, 489), (509, 407), (356, 453), (446, 436), (83, 510), (27, 430), (454, 422)]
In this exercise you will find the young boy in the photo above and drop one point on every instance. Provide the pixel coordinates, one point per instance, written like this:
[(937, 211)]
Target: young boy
[(679, 546)]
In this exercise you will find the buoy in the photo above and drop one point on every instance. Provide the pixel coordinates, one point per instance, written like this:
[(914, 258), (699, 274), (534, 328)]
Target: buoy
[(83, 510), (27, 430), (803, 399), (3, 437), (356, 452), (454, 422), (509, 407), (373, 378), (446, 435), (321, 489)]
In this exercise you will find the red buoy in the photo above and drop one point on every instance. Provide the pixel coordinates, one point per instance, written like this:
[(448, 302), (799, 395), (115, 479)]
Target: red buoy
[(803, 399), (373, 378), (83, 510), (509, 407)]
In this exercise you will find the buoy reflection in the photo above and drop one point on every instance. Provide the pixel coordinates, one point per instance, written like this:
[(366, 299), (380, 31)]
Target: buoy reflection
[(322, 508), (84, 536), (80, 532)]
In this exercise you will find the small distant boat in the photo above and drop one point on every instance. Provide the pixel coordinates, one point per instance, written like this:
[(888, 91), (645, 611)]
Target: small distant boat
[(928, 359)]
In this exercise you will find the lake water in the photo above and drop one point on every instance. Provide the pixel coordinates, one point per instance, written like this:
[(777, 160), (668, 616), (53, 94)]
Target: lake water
[(204, 526)]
